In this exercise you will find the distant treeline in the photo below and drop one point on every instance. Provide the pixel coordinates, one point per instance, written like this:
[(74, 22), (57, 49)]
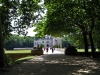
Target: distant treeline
[(16, 41)]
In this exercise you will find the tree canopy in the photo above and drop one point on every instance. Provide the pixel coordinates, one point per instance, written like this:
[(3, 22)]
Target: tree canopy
[(72, 17), (23, 12)]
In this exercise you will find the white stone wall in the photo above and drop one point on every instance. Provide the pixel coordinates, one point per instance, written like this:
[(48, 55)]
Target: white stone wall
[(50, 42), (57, 41)]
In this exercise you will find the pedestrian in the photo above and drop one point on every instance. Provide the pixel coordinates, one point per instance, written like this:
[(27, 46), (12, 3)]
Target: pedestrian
[(44, 48), (47, 48), (52, 50)]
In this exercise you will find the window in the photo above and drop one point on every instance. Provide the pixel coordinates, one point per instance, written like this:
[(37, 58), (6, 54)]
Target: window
[(47, 41)]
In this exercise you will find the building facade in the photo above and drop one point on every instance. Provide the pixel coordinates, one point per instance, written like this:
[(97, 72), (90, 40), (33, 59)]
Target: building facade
[(48, 41)]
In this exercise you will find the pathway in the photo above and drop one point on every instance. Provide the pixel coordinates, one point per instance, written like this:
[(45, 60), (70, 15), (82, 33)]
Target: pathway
[(56, 64)]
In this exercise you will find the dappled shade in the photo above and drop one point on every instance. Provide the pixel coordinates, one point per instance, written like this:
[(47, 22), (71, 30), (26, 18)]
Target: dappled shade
[(56, 64)]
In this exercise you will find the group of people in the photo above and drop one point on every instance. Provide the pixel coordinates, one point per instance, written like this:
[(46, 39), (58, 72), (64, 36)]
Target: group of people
[(47, 49)]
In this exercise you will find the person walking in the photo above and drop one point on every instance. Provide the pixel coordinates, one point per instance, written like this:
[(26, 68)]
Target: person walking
[(52, 50), (47, 48)]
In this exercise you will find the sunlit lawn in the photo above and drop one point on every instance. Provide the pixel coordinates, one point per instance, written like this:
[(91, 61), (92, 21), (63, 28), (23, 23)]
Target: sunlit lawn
[(29, 51), (18, 51), (82, 50)]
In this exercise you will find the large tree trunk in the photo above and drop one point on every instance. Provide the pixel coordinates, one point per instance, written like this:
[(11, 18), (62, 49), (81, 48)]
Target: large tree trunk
[(85, 43), (91, 38), (92, 44), (2, 56)]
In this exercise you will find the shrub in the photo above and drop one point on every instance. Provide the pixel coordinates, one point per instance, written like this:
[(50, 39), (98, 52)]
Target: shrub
[(71, 50), (8, 60)]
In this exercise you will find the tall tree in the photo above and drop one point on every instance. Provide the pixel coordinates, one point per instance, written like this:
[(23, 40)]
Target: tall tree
[(73, 14), (4, 23), (93, 13), (23, 12), (71, 17)]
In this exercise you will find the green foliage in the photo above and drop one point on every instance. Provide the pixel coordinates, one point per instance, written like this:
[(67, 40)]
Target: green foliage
[(22, 13), (23, 59), (41, 45), (76, 18), (27, 10), (65, 41), (8, 60), (40, 28), (16, 41)]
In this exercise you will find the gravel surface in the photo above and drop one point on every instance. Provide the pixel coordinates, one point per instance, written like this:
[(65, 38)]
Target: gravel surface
[(56, 64)]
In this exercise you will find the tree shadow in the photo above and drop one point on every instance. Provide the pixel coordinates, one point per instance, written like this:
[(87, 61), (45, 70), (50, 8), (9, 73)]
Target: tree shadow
[(56, 64)]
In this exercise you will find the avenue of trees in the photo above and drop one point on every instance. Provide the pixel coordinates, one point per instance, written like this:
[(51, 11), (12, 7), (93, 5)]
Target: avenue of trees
[(78, 19)]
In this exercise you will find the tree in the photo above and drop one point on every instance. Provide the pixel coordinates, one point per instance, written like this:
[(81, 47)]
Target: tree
[(64, 22), (65, 41), (93, 13), (23, 13), (40, 28), (4, 23), (73, 15), (16, 41)]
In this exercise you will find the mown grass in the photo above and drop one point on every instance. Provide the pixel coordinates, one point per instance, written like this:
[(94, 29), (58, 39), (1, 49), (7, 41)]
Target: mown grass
[(82, 50), (29, 51), (18, 51)]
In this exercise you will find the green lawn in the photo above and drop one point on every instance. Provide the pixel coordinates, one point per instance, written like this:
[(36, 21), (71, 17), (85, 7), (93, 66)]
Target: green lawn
[(18, 51), (29, 51), (82, 50)]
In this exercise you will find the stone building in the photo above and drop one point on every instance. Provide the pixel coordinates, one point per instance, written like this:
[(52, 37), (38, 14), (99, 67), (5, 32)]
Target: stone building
[(48, 40)]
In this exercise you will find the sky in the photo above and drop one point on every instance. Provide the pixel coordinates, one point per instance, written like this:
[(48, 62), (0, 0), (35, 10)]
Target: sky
[(30, 31)]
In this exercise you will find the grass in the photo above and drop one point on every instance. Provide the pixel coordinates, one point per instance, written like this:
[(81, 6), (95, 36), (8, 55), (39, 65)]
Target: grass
[(82, 50), (18, 51), (23, 59), (29, 51)]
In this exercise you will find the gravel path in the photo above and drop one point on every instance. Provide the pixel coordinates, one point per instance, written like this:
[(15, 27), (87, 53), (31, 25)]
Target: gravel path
[(56, 64)]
